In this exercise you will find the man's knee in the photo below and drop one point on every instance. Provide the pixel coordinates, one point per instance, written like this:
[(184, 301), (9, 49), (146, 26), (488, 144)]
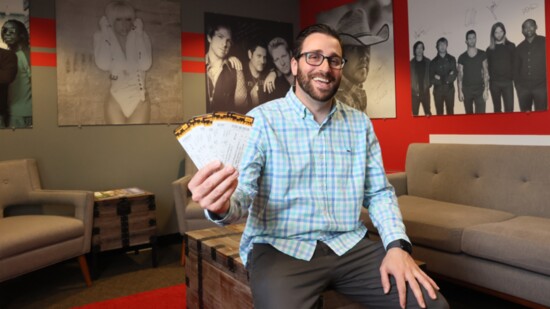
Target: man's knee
[(439, 303)]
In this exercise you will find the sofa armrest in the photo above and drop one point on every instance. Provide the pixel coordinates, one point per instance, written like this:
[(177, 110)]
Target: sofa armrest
[(82, 201), (399, 182), (182, 197)]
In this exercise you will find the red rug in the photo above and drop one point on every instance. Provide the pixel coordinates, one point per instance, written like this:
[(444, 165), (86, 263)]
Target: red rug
[(166, 298)]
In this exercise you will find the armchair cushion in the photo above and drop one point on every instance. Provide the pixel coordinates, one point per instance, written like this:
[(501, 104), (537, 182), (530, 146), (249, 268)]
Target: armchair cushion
[(27, 233)]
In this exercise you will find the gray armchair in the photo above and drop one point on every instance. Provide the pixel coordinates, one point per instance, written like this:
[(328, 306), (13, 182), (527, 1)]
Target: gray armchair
[(32, 241), (190, 214)]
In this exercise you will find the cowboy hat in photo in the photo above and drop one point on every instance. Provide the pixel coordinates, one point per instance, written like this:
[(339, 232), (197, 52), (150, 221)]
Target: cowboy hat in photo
[(353, 29)]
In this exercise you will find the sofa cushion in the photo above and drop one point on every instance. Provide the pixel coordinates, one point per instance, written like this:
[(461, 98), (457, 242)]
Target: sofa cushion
[(29, 232), (501, 177), (521, 242), (440, 225)]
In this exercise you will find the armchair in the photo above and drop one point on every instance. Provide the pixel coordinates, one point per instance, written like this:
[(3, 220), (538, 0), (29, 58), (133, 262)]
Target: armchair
[(33, 241), (190, 214)]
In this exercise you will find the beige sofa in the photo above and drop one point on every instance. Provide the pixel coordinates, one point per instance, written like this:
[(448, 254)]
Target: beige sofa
[(480, 214)]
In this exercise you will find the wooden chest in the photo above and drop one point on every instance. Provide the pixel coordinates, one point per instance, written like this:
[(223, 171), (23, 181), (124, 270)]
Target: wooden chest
[(123, 218), (215, 275)]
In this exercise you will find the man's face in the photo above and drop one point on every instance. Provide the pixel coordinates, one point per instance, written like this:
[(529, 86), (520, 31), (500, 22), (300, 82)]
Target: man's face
[(529, 29), (471, 40), (258, 58), (318, 82), (281, 59), (419, 51), (10, 35), (442, 47), (499, 34), (123, 25), (356, 69), (220, 42)]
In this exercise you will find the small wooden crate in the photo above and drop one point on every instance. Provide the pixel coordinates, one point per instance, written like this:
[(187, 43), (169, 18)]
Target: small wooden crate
[(216, 277), (123, 218)]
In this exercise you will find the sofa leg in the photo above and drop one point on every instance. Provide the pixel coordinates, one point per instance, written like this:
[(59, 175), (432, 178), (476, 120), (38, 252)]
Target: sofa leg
[(84, 269), (183, 253)]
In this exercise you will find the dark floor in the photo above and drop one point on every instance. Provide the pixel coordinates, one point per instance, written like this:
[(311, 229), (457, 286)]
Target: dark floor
[(62, 286)]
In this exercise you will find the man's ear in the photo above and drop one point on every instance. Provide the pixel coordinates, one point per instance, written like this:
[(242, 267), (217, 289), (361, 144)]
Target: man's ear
[(294, 66), (209, 39), (249, 54)]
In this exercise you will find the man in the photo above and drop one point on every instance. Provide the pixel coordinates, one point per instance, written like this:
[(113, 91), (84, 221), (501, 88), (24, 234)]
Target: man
[(225, 85), (500, 59), (281, 54), (473, 76), (442, 77), (530, 69), (8, 70), (420, 80), (310, 165), (354, 31), (255, 75)]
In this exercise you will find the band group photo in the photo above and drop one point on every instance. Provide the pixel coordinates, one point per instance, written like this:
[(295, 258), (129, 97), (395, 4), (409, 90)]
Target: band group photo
[(247, 62), (490, 59)]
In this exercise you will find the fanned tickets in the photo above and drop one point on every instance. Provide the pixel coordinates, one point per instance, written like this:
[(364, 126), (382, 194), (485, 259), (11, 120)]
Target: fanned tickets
[(217, 136)]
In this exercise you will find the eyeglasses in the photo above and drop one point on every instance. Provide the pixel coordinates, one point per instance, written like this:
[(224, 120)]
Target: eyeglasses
[(316, 59)]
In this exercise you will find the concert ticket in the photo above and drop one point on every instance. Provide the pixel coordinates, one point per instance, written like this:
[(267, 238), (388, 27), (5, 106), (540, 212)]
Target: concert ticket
[(216, 136)]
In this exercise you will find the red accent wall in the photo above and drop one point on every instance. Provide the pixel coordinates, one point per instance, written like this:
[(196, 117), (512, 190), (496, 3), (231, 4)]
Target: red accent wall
[(396, 134)]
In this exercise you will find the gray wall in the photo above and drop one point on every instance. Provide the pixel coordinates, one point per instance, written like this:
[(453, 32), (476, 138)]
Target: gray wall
[(107, 157)]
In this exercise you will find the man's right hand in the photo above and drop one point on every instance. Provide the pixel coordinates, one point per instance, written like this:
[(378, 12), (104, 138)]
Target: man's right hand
[(213, 185)]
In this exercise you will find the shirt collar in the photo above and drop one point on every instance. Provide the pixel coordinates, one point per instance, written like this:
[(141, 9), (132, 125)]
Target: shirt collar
[(302, 110)]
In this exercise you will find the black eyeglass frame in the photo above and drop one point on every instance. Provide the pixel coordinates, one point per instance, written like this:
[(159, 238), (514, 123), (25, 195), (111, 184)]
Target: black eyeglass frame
[(329, 59)]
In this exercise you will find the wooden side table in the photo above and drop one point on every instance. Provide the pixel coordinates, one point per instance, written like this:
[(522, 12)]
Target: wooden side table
[(123, 219)]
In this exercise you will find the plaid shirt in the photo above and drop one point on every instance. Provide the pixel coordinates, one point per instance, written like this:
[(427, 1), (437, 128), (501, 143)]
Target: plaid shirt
[(302, 181)]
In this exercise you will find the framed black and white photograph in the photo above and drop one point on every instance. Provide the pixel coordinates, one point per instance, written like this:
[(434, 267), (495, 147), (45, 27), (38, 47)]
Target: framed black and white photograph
[(118, 62), (477, 56), (368, 77), (15, 65), (247, 62)]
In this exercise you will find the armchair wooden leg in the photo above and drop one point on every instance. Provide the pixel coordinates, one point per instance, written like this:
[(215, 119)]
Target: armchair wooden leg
[(183, 253), (84, 269)]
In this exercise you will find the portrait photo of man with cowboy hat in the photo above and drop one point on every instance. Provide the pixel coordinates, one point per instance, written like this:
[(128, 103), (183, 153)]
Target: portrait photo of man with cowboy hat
[(368, 82)]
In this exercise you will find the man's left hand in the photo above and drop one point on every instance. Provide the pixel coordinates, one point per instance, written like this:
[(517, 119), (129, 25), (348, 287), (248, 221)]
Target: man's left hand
[(269, 84), (403, 268)]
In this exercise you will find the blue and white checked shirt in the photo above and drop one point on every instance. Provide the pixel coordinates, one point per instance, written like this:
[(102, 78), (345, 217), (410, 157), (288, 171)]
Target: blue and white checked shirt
[(301, 181)]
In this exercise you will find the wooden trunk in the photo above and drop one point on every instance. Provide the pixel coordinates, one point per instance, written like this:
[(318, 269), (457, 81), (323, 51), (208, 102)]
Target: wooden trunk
[(216, 277), (123, 220)]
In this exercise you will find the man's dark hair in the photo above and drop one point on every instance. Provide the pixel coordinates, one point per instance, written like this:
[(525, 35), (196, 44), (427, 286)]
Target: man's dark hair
[(529, 19), (212, 28), (441, 40), (21, 31), (416, 45), (470, 32), (255, 44), (316, 28)]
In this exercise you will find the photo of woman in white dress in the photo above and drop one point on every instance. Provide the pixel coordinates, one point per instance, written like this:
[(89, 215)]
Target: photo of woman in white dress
[(123, 48), (118, 62)]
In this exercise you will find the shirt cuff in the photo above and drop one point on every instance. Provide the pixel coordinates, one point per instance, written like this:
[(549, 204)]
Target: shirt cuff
[(232, 214)]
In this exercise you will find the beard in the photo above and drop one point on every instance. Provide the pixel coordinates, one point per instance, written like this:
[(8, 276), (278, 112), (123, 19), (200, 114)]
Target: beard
[(305, 81)]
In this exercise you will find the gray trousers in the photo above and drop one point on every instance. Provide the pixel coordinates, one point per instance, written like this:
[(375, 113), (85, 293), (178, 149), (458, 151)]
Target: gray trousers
[(281, 281)]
